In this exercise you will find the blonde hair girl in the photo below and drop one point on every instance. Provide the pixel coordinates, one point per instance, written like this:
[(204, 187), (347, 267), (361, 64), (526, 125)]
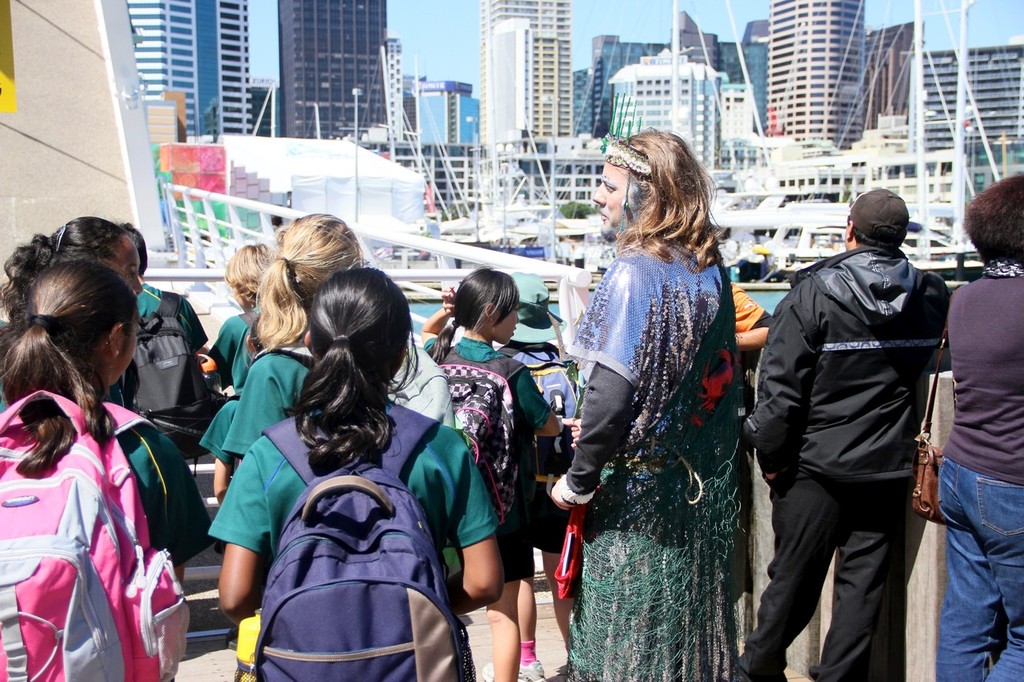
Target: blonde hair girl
[(310, 250)]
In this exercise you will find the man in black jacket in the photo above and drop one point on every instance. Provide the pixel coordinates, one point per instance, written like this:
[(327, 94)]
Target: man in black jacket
[(834, 430)]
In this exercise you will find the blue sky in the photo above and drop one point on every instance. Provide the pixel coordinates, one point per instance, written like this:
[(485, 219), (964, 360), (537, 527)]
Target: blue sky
[(444, 35)]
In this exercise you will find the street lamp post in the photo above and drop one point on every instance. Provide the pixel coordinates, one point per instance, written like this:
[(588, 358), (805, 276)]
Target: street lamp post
[(554, 187), (475, 171), (356, 92)]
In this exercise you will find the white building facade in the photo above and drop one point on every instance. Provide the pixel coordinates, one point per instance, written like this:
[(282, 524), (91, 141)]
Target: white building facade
[(696, 120), (543, 75)]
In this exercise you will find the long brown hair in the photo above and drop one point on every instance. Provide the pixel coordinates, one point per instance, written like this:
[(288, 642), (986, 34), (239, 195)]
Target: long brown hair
[(671, 207), (68, 310)]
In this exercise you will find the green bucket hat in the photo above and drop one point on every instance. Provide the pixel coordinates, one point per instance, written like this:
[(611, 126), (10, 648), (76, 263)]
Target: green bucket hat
[(534, 317)]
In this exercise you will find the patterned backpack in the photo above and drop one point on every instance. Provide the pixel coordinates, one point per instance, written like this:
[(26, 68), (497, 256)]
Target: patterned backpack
[(83, 595), (357, 591), (482, 400)]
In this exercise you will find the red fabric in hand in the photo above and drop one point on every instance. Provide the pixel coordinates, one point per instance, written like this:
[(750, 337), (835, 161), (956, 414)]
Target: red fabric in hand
[(570, 564)]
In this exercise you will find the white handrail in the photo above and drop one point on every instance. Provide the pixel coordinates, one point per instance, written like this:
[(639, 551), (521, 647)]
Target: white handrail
[(205, 241)]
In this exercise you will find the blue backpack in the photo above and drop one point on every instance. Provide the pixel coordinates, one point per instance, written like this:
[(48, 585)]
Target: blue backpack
[(357, 591), (553, 454)]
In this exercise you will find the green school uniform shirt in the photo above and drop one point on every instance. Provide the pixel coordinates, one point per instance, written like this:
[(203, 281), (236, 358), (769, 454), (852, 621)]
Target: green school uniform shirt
[(149, 301), (531, 409), (177, 518), (440, 473), (231, 353), (271, 387)]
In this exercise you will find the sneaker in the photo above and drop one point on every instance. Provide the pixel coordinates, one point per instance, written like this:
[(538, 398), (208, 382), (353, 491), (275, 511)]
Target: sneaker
[(531, 673)]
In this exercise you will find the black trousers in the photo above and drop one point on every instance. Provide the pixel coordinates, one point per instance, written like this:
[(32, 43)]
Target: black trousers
[(811, 519)]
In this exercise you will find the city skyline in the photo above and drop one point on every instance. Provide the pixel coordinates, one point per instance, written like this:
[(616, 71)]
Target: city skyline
[(445, 40)]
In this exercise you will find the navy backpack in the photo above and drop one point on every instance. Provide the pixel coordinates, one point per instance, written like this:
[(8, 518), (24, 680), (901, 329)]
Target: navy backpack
[(357, 591), (552, 454)]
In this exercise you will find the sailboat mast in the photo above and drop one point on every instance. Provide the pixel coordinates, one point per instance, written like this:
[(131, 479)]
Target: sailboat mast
[(675, 66), (919, 95), (960, 163)]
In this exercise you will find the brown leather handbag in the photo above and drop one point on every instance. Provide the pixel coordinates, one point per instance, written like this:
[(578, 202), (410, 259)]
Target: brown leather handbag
[(928, 457)]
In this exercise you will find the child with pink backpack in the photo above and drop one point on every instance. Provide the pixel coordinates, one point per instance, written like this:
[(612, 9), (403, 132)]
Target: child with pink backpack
[(84, 592)]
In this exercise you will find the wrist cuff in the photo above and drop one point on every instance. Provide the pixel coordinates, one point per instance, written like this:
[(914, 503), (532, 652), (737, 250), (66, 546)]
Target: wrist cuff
[(566, 495)]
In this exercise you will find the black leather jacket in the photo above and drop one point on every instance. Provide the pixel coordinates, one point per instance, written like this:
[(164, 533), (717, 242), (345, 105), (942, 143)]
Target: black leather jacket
[(839, 373)]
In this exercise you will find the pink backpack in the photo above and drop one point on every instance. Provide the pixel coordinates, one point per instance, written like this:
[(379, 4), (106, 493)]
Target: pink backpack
[(83, 595)]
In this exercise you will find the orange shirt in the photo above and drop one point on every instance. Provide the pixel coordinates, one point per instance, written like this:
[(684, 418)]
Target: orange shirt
[(747, 311)]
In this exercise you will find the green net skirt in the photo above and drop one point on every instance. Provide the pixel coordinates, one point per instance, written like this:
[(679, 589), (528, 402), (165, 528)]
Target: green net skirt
[(655, 600)]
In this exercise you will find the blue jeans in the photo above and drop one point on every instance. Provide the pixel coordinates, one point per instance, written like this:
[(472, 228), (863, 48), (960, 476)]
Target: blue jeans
[(983, 612)]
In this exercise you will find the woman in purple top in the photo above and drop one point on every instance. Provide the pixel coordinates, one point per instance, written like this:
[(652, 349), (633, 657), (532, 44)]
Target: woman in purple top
[(981, 634)]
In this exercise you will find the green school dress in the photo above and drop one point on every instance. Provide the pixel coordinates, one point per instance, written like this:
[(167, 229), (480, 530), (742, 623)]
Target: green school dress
[(440, 473), (272, 386), (177, 518), (231, 353)]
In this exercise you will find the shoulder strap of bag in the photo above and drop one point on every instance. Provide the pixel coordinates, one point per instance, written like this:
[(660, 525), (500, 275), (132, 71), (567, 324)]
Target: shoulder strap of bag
[(926, 425), (410, 427), (170, 304)]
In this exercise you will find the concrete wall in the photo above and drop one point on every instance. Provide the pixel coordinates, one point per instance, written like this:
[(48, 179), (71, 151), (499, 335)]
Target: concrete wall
[(907, 633), (63, 153)]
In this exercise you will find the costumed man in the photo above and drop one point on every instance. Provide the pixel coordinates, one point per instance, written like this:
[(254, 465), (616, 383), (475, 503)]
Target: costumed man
[(834, 430), (658, 433)]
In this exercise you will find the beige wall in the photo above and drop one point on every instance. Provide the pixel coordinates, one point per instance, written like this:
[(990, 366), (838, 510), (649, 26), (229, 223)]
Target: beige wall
[(60, 154)]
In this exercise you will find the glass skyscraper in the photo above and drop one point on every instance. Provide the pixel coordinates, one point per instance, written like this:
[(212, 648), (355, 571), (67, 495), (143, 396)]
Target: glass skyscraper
[(328, 48)]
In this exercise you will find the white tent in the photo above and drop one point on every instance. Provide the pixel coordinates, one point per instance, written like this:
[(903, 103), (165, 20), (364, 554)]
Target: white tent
[(321, 176)]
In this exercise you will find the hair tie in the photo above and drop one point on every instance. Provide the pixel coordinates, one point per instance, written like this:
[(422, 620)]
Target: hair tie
[(48, 322), (59, 236), (340, 338), (292, 274)]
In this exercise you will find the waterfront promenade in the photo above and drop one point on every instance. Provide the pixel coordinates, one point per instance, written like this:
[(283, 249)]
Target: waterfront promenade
[(210, 661)]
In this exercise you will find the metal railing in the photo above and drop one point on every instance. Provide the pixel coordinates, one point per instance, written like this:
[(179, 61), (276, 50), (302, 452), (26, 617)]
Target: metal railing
[(207, 228)]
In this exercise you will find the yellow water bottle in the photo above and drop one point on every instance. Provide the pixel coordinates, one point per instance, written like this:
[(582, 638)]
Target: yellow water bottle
[(248, 633)]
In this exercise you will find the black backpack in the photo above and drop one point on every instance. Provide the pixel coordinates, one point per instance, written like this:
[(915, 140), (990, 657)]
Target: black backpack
[(171, 391)]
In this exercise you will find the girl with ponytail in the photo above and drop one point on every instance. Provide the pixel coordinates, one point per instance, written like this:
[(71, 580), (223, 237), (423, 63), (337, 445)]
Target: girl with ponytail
[(80, 239), (66, 344), (309, 251), (359, 334), (485, 307)]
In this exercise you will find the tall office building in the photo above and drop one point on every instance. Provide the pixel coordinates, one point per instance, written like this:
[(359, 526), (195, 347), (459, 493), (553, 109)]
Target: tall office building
[(697, 45), (815, 69), (755, 54), (199, 49), (328, 49), (608, 56), (526, 65), (582, 106), (996, 77), (887, 73), (449, 113), (697, 119)]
